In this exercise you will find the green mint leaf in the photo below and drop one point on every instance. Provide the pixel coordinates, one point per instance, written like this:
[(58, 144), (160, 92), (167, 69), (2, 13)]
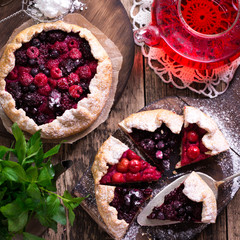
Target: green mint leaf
[(2, 179), (33, 191), (71, 216), (12, 209), (18, 223), (32, 173), (2, 193), (60, 216), (28, 236), (39, 157), (52, 151), (13, 171), (4, 150), (20, 145), (53, 204), (34, 142), (46, 175)]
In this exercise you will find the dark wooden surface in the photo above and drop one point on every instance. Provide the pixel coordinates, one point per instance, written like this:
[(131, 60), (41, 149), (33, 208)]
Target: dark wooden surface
[(142, 88)]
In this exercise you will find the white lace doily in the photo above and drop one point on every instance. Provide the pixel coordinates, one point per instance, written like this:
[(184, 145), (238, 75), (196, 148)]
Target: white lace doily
[(204, 82)]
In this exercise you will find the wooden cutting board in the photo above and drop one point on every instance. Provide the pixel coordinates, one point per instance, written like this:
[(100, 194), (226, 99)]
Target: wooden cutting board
[(107, 15), (225, 111)]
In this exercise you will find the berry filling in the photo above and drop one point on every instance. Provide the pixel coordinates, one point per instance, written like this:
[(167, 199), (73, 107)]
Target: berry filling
[(178, 207), (193, 149), (52, 74), (128, 201), (131, 168), (157, 145)]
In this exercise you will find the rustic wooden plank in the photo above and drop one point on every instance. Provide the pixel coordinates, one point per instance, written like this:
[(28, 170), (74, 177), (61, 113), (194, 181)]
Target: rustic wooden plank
[(233, 218)]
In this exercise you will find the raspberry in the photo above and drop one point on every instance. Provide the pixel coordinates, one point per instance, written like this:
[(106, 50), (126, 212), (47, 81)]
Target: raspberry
[(45, 90), (193, 152), (67, 103), (56, 72), (26, 79), (32, 52), (14, 74), (73, 78), (122, 166), (40, 80), (22, 70), (62, 83), (52, 82), (75, 91), (75, 53), (84, 72), (52, 63), (192, 136), (61, 47), (72, 43), (118, 178), (93, 67)]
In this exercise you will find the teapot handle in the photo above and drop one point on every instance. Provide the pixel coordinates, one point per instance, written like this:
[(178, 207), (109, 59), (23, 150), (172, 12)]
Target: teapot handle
[(149, 35)]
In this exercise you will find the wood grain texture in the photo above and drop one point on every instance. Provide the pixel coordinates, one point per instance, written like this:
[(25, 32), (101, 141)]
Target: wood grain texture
[(142, 88)]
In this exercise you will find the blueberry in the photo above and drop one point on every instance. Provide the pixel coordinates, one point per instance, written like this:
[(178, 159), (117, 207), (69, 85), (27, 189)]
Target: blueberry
[(79, 62), (166, 153), (25, 89), (181, 211), (188, 209), (46, 72), (147, 144), (137, 203), (54, 54), (42, 36), (41, 67), (32, 62), (55, 35), (41, 119), (160, 216), (127, 200), (36, 42), (32, 88), (157, 136), (34, 72), (160, 145), (177, 204), (166, 164), (136, 194)]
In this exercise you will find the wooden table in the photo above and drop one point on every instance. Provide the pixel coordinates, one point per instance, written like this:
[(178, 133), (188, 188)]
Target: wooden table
[(143, 87)]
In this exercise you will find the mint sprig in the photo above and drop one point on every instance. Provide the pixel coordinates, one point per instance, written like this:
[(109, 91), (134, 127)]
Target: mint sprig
[(28, 188)]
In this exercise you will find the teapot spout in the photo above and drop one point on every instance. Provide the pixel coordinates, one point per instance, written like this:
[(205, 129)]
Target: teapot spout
[(149, 35)]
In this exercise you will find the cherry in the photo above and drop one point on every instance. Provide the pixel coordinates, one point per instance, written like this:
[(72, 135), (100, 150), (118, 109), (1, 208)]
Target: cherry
[(133, 177), (193, 152), (118, 178), (135, 166), (192, 136), (132, 155), (122, 166)]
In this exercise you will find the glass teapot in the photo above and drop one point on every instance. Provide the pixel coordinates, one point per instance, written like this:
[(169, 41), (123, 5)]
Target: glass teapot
[(203, 34)]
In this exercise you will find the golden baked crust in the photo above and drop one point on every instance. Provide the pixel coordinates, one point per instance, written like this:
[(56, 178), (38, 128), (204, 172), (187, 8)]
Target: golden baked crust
[(198, 191), (104, 196), (73, 120), (109, 153), (151, 120)]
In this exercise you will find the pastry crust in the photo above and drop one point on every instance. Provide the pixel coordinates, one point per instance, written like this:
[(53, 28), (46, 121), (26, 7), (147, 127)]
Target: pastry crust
[(198, 191), (213, 139), (104, 196), (73, 120), (109, 153), (151, 120)]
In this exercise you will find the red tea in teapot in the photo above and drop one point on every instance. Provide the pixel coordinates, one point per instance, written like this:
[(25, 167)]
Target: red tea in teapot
[(203, 34), (209, 16)]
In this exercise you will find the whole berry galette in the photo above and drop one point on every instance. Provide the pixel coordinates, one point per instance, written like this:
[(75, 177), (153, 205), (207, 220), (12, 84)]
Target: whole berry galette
[(55, 77), (123, 179)]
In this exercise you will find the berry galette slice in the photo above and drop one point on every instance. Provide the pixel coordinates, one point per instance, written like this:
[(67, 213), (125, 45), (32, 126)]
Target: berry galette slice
[(191, 201), (115, 164), (118, 206), (156, 133), (201, 137), (54, 77)]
